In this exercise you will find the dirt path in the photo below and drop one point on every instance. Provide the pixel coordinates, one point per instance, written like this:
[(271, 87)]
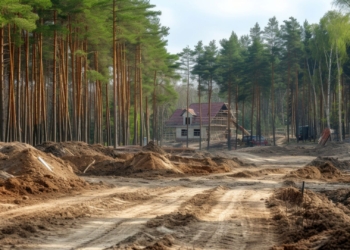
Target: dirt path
[(238, 220), (231, 212)]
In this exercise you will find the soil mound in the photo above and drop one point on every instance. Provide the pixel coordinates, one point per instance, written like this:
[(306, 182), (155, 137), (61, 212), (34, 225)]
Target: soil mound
[(289, 183), (149, 162), (333, 148), (244, 174), (74, 148), (83, 156), (241, 163), (29, 171), (309, 222), (203, 165), (152, 161), (339, 196), (152, 147), (323, 171), (319, 161)]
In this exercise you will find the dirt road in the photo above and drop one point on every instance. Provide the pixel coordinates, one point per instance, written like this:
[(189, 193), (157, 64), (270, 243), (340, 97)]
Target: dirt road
[(208, 212)]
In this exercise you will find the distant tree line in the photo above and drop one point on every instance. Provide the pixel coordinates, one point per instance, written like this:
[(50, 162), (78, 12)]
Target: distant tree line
[(283, 76)]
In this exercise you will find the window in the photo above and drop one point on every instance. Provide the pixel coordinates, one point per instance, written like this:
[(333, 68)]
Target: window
[(183, 132), (187, 120), (197, 132)]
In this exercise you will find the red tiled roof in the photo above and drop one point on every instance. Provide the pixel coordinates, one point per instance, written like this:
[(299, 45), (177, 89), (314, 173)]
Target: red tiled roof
[(177, 120)]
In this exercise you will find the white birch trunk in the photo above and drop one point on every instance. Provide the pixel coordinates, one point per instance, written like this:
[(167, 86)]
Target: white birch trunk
[(312, 78), (329, 89), (339, 97)]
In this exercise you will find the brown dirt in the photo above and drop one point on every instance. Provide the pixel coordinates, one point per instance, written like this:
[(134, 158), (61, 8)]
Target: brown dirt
[(341, 165), (152, 162), (185, 212), (148, 164), (152, 147), (73, 148), (339, 196), (250, 174), (31, 176), (318, 170), (189, 212), (309, 222), (57, 216)]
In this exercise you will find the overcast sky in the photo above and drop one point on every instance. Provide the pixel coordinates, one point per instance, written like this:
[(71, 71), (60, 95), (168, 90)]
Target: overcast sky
[(193, 20)]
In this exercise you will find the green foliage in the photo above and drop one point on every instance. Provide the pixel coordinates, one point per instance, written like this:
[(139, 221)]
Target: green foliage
[(94, 75), (14, 12)]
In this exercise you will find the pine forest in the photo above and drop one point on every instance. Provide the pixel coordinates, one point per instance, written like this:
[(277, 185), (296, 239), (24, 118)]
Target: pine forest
[(99, 71)]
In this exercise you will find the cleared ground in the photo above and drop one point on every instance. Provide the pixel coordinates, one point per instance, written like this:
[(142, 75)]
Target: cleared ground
[(165, 210)]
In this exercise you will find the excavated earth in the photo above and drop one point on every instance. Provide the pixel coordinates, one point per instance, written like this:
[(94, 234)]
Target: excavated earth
[(73, 195)]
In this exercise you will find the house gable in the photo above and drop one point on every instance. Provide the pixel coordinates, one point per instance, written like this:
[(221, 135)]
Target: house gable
[(196, 111)]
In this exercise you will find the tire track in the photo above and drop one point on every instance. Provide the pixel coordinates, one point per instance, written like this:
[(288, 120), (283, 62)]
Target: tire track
[(103, 232)]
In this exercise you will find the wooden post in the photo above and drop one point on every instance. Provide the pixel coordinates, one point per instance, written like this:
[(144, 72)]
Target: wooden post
[(302, 190)]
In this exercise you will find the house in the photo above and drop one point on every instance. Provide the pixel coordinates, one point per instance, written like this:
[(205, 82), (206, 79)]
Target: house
[(176, 126)]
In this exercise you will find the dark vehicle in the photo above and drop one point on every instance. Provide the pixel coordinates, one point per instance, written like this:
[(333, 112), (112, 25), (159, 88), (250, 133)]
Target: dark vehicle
[(305, 133), (253, 140)]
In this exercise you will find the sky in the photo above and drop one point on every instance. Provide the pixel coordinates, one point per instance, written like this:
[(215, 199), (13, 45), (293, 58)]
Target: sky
[(191, 21)]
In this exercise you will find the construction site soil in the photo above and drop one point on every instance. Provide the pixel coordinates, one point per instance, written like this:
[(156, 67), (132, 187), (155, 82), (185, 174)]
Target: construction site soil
[(73, 195)]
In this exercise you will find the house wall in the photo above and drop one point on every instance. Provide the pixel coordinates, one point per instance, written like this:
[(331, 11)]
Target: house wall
[(191, 136)]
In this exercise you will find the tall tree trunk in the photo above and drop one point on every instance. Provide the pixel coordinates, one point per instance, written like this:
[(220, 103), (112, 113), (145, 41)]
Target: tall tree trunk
[(236, 100), (54, 78), (154, 125), (187, 105), (329, 89), (135, 96), (229, 117), (340, 133), (273, 103), (27, 106), (18, 95), (2, 130), (209, 110), (288, 99), (115, 113), (296, 104), (140, 97), (200, 113)]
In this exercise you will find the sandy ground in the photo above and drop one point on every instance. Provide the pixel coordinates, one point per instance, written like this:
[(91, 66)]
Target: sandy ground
[(215, 211)]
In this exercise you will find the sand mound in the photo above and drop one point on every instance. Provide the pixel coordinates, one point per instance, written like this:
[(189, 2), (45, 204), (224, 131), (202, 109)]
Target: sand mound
[(323, 171), (73, 148), (319, 161), (143, 240), (145, 164), (148, 163), (153, 161), (203, 165), (339, 196), (333, 148), (84, 157), (289, 183), (152, 147), (35, 172), (309, 222), (244, 174)]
